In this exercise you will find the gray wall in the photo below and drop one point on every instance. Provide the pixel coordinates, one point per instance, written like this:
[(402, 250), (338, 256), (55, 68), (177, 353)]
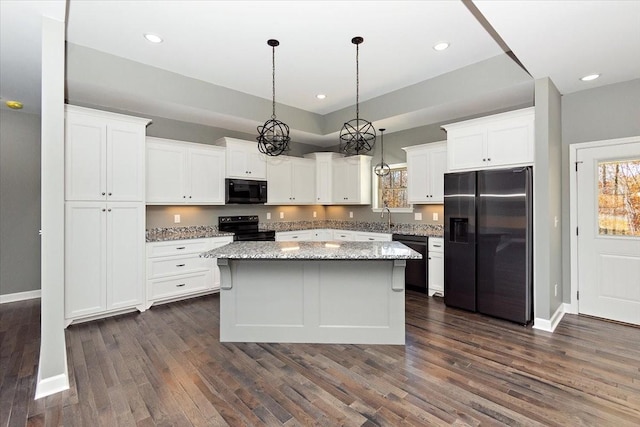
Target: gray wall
[(19, 202), (606, 112), (547, 200)]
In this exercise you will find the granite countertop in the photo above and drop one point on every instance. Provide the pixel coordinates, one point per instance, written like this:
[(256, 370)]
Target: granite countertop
[(204, 231), (180, 233), (417, 229), (314, 251)]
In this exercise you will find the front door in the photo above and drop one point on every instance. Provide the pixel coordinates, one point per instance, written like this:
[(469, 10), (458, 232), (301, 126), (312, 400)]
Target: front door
[(608, 193)]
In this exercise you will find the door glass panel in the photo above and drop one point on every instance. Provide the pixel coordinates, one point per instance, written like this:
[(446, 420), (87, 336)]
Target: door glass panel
[(619, 198)]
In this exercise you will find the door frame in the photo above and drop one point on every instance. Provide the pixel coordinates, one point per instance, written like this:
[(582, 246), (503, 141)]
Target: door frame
[(573, 306)]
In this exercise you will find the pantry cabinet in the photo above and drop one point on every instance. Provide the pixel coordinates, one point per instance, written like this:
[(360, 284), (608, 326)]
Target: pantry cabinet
[(181, 172), (243, 160), (426, 166), (104, 258), (291, 180), (351, 180), (501, 140), (104, 156), (104, 213)]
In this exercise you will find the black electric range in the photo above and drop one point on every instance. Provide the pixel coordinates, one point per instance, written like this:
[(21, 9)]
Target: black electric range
[(245, 228)]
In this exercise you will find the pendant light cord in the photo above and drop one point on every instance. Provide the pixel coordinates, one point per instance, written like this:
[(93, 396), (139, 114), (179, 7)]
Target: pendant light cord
[(273, 79), (357, 85)]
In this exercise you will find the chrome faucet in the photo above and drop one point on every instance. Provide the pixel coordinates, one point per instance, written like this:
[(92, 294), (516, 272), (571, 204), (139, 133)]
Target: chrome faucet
[(382, 216)]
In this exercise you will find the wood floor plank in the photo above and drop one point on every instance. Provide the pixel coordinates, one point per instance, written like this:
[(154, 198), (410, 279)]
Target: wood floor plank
[(166, 366)]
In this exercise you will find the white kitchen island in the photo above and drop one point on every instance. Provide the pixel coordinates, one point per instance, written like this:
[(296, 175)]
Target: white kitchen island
[(312, 292)]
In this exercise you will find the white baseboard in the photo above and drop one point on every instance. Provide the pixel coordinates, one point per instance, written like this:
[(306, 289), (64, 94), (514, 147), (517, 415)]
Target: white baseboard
[(19, 296), (551, 324), (52, 385)]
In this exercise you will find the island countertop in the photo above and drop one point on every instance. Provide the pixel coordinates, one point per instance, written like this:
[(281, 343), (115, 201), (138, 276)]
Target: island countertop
[(314, 251)]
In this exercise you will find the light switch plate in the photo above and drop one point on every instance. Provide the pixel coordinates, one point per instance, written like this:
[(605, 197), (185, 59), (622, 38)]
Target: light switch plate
[(417, 216), (176, 219), (281, 215), (315, 214), (435, 216), (268, 215), (350, 214)]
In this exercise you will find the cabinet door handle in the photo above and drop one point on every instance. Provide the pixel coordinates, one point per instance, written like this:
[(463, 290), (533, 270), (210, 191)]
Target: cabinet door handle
[(110, 194), (437, 246), (180, 265), (429, 257), (103, 193), (109, 210), (489, 159), (184, 197), (484, 160), (181, 247), (104, 210), (189, 196), (180, 285), (371, 238)]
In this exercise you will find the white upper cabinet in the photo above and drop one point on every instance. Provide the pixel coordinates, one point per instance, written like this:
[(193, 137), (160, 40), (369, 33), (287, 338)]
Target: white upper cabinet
[(501, 140), (104, 156), (426, 166), (351, 180), (243, 159), (184, 173), (291, 180), (324, 168)]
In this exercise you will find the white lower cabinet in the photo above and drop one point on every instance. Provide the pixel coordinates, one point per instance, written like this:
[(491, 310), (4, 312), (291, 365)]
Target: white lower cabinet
[(292, 236), (176, 271), (345, 235), (322, 235), (104, 258), (436, 266), (372, 237)]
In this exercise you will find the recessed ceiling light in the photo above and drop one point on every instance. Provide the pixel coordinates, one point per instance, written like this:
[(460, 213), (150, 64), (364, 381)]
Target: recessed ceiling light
[(321, 96), (441, 46), (14, 105), (590, 77), (153, 38)]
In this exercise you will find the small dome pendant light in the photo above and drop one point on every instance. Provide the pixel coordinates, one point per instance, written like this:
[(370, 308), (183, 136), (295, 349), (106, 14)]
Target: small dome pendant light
[(273, 136), (382, 169), (358, 135)]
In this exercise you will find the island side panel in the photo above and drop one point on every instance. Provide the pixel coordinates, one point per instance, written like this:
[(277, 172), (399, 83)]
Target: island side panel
[(313, 301)]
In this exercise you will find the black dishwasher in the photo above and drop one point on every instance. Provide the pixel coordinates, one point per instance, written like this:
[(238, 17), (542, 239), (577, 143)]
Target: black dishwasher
[(415, 274)]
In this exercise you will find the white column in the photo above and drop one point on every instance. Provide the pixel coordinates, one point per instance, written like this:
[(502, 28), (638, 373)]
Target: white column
[(52, 371)]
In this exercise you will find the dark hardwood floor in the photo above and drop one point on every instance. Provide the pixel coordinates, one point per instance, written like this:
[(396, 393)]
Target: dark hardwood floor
[(167, 367)]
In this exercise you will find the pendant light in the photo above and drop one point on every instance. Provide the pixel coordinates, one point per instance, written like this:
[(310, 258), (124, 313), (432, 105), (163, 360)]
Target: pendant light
[(358, 135), (382, 169), (273, 135)]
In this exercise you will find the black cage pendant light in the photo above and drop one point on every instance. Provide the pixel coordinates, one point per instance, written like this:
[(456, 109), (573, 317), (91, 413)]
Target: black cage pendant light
[(357, 136), (382, 169), (273, 135)]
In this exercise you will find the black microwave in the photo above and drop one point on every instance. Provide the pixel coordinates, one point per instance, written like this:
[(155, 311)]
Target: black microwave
[(245, 191)]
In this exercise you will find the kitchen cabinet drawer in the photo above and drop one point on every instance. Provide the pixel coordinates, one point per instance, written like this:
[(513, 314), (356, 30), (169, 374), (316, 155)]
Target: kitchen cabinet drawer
[(436, 244), (349, 236), (292, 236), (159, 267), (172, 286), (178, 247), (373, 237)]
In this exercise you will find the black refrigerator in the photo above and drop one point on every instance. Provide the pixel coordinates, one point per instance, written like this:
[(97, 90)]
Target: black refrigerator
[(488, 252)]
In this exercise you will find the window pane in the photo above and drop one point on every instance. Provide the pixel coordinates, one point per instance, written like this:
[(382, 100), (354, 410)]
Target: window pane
[(619, 198), (392, 189)]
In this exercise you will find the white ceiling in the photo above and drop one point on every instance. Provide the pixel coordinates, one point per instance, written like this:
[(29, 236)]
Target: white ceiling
[(224, 43)]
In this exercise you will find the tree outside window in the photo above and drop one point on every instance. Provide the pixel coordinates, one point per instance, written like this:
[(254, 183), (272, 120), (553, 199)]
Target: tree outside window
[(619, 197), (392, 189)]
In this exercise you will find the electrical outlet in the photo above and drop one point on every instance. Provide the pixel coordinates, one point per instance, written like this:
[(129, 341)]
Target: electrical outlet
[(556, 221), (315, 214), (281, 215), (176, 219), (417, 216), (555, 291), (435, 216), (350, 214), (268, 215)]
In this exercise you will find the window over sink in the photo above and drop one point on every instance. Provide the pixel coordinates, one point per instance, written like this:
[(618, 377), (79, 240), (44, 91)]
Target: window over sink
[(391, 190)]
